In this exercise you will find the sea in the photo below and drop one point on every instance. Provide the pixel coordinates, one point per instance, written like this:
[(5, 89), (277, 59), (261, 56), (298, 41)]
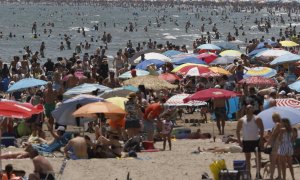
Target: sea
[(18, 19)]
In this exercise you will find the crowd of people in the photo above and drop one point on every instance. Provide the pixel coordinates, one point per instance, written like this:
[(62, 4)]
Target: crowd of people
[(147, 118)]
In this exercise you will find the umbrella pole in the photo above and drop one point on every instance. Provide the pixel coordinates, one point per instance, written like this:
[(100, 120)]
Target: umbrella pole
[(213, 123)]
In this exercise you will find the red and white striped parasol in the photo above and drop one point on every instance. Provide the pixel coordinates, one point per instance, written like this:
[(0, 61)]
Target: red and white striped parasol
[(177, 100), (289, 102)]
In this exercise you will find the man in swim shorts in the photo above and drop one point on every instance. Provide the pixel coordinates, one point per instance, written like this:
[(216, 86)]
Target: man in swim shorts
[(50, 97)]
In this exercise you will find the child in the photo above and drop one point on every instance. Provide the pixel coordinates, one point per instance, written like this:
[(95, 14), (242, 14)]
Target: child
[(167, 127)]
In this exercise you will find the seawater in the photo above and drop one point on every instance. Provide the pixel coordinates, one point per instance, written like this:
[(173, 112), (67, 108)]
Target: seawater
[(18, 20)]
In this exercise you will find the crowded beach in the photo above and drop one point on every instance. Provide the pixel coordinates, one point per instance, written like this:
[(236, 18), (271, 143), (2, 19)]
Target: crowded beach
[(217, 108)]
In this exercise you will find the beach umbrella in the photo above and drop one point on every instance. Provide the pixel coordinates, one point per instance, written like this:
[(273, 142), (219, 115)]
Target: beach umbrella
[(184, 55), (15, 109), (207, 57), (234, 53), (219, 70), (260, 71), (170, 77), (227, 45), (91, 109), (288, 43), (78, 74), (86, 88), (286, 58), (26, 83), (143, 65), (193, 70), (119, 92), (187, 59), (292, 114), (211, 93), (153, 55), (176, 69), (139, 72), (295, 86), (288, 102), (223, 60), (269, 42), (177, 100), (272, 53), (150, 82), (119, 101), (258, 81), (171, 53), (256, 51), (63, 114), (209, 47)]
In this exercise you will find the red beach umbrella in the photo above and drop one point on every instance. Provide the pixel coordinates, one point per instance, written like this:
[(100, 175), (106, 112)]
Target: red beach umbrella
[(171, 78), (207, 57), (15, 109), (211, 93), (258, 81)]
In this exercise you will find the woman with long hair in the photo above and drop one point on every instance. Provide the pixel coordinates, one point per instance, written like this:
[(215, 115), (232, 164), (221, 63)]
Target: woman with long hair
[(285, 148), (274, 145)]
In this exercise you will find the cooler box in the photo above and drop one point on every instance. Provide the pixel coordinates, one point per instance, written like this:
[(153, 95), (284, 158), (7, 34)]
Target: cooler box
[(148, 145), (239, 165)]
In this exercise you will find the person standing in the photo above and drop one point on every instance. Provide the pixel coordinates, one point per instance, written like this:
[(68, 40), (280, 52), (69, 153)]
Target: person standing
[(133, 116), (42, 50), (50, 97), (285, 149), (253, 130)]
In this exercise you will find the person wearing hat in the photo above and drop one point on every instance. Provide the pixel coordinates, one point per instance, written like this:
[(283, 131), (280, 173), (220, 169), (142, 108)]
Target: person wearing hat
[(133, 116)]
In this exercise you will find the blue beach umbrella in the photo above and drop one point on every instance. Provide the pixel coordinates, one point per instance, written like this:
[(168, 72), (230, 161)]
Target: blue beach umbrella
[(63, 114), (227, 45), (292, 114), (262, 44), (26, 83), (223, 60), (139, 72), (85, 88), (187, 59), (143, 65), (171, 53), (256, 51), (209, 47), (295, 86), (287, 58)]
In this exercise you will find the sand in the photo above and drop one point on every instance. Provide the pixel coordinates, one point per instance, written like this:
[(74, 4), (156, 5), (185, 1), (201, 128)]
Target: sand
[(179, 163)]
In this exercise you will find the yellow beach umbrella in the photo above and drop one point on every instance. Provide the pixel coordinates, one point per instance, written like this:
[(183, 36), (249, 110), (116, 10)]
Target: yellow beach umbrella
[(288, 43), (234, 53), (119, 101), (187, 64), (219, 70)]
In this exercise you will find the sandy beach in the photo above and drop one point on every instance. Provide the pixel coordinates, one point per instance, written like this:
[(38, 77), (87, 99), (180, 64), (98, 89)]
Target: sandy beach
[(180, 163)]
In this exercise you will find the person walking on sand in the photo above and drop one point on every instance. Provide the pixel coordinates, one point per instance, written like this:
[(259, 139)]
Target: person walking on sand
[(253, 130), (50, 97), (285, 149)]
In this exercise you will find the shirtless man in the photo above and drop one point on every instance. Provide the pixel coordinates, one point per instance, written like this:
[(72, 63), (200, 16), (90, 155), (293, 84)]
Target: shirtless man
[(118, 62), (72, 80), (76, 148), (124, 69), (13, 65), (42, 167), (25, 66), (49, 98), (111, 81), (219, 106)]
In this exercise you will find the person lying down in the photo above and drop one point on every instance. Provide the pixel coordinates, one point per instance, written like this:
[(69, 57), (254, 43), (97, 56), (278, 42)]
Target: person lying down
[(227, 149)]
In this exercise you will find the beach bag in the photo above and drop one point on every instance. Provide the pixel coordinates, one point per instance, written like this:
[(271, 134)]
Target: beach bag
[(216, 168)]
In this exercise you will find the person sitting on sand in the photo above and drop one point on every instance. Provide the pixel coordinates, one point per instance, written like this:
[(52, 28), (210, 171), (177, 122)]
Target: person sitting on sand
[(8, 175), (42, 167), (76, 148), (36, 136)]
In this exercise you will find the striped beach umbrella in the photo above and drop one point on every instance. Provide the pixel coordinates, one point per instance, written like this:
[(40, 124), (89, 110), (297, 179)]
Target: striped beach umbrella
[(289, 102), (260, 71), (177, 100)]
